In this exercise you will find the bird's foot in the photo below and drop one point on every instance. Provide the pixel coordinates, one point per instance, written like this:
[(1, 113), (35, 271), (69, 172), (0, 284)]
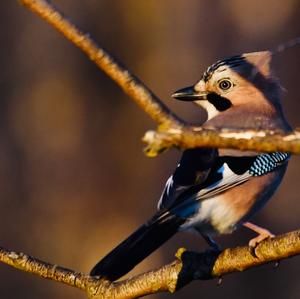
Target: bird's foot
[(263, 234)]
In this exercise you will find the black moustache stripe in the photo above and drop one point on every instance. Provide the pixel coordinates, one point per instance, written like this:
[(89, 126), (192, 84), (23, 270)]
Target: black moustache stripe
[(219, 102)]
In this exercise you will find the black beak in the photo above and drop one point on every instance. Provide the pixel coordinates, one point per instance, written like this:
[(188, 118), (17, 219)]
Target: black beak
[(189, 94)]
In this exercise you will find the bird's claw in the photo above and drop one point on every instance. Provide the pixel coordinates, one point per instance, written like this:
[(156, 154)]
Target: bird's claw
[(264, 234)]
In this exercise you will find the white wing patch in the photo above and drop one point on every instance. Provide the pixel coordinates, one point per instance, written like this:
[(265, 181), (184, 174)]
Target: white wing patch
[(166, 196), (229, 180), (168, 186)]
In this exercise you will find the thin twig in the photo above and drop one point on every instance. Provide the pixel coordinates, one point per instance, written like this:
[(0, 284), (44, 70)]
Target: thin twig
[(173, 131), (130, 84), (189, 266), (43, 269)]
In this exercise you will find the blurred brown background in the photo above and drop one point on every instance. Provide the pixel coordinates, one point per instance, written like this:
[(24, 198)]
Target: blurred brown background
[(73, 178)]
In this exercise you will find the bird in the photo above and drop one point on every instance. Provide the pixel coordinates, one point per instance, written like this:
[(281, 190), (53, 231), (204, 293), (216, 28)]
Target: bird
[(215, 191)]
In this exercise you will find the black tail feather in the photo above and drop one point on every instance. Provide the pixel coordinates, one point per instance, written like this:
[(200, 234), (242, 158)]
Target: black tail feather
[(137, 246)]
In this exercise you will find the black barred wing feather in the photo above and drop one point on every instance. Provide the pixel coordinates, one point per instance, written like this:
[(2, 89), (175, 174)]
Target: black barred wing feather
[(266, 163)]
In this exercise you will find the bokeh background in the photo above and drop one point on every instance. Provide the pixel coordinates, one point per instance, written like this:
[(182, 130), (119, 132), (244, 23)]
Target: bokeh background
[(73, 177)]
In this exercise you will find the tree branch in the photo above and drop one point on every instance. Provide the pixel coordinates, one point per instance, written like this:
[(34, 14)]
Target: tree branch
[(187, 267), (130, 84), (202, 266), (32, 265), (172, 132), (261, 141)]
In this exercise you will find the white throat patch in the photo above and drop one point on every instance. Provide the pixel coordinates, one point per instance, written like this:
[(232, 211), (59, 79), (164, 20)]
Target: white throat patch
[(209, 108)]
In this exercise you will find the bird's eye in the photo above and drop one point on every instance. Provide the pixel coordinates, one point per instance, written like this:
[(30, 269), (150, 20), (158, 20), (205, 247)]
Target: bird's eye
[(225, 84)]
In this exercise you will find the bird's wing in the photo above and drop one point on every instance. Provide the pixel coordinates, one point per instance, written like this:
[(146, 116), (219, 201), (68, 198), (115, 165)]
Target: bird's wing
[(222, 179), (192, 170), (197, 179), (227, 172)]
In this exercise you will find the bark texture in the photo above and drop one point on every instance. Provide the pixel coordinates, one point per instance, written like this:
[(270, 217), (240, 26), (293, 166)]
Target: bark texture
[(172, 132), (187, 267)]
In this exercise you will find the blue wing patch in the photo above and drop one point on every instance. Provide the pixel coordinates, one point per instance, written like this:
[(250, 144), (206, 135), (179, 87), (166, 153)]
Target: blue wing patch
[(266, 163), (224, 173), (260, 165)]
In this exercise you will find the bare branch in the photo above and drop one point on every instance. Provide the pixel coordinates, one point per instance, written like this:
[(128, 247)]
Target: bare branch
[(188, 266), (32, 265), (172, 132), (193, 266), (264, 141), (130, 84)]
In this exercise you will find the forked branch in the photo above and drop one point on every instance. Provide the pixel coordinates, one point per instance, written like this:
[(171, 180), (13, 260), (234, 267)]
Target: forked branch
[(130, 84), (172, 132)]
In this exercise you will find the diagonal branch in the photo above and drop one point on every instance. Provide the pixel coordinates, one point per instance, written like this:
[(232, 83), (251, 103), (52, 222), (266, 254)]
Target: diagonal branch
[(202, 266), (187, 267), (46, 270), (130, 84), (173, 132)]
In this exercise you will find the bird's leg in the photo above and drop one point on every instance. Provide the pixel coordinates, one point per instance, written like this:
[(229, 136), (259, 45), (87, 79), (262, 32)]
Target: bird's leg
[(211, 242), (262, 234)]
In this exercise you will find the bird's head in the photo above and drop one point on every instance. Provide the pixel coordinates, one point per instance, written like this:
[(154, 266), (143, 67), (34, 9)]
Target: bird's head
[(239, 82)]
